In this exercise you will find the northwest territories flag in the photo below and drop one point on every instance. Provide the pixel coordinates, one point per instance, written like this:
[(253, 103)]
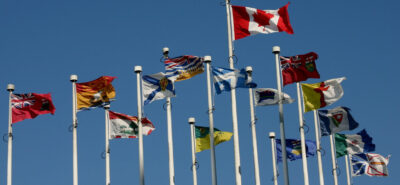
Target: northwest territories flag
[(125, 126), (156, 86), (353, 144), (336, 120), (203, 137), (269, 96), (369, 164), (227, 79), (183, 67), (293, 149)]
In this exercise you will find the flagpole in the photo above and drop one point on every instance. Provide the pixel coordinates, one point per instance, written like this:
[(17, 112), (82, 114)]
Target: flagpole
[(276, 50), (169, 128), (273, 151), (302, 137), (74, 79), (318, 142), (249, 70), (107, 119), (207, 60), (233, 100), (351, 168), (193, 137), (347, 170), (333, 155), (10, 89), (138, 70)]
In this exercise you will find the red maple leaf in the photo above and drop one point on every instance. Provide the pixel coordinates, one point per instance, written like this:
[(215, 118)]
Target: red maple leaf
[(262, 18)]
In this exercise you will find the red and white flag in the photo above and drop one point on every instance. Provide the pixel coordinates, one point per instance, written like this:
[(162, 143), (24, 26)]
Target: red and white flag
[(125, 126), (28, 106), (250, 21)]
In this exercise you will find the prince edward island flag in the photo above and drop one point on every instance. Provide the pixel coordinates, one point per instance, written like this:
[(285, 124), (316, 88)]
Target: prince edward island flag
[(336, 120)]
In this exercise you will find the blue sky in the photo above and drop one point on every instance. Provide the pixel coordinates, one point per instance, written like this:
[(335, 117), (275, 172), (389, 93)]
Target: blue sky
[(43, 42)]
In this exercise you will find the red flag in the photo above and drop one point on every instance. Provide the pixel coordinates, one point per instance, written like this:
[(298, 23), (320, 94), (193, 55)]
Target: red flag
[(250, 21), (299, 68), (28, 106)]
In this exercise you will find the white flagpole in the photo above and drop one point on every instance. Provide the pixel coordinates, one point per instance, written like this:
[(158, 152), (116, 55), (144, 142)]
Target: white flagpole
[(170, 141), (351, 167), (10, 89), (107, 152), (333, 155), (74, 79), (233, 100), (193, 140), (318, 142), (207, 60), (347, 170), (273, 151), (249, 70), (276, 50), (302, 137), (138, 70)]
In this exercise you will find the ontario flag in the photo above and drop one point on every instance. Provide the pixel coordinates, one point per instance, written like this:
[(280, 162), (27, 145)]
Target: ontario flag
[(29, 106), (250, 21), (299, 68)]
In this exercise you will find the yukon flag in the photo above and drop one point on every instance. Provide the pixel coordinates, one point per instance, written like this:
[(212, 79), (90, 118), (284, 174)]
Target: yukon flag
[(353, 144), (125, 126), (250, 21)]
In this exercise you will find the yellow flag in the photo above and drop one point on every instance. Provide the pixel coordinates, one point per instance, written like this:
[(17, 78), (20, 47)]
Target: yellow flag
[(95, 93), (203, 137)]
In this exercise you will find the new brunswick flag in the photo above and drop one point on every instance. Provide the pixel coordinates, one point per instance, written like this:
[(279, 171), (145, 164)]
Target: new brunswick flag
[(203, 137), (94, 93)]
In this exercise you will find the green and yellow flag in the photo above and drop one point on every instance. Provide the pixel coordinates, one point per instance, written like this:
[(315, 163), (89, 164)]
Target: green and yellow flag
[(203, 137), (94, 93)]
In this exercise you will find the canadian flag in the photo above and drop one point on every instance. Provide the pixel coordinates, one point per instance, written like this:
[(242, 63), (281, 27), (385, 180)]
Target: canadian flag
[(250, 21)]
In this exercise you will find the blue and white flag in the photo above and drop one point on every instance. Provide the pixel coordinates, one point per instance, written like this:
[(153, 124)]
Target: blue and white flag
[(227, 79), (269, 96), (183, 67), (157, 86), (369, 164), (293, 149), (336, 120)]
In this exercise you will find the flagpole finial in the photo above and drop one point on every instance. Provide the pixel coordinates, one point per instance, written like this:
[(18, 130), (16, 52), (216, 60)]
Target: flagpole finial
[(207, 58), (276, 49), (191, 120), (106, 106), (73, 78), (272, 135), (249, 69), (10, 87), (165, 52), (138, 69)]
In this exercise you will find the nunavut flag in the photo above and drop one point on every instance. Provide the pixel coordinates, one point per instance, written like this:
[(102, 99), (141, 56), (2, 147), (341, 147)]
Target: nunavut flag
[(94, 93), (28, 106), (322, 94), (299, 68)]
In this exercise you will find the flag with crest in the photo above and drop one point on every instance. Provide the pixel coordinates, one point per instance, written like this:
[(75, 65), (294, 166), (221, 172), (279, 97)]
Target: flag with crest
[(29, 106), (95, 93), (299, 68), (353, 143), (336, 120), (157, 86), (293, 149), (126, 126), (183, 67)]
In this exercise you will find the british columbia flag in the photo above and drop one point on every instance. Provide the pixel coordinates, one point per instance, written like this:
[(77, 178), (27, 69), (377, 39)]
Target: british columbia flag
[(183, 67)]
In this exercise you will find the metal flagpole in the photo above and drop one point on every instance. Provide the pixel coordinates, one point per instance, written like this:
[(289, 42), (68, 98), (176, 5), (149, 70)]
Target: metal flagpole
[(170, 141), (207, 60), (351, 168), (74, 79), (107, 152), (334, 165), (193, 138), (318, 142), (138, 70), (273, 151), (10, 89), (302, 137), (249, 70), (233, 100), (347, 170), (276, 50)]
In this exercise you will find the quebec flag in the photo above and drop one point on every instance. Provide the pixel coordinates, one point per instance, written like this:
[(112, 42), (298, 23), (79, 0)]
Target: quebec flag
[(227, 79), (156, 86)]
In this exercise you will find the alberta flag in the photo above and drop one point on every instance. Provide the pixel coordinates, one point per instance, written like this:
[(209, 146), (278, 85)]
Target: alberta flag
[(157, 86), (336, 120), (293, 149), (369, 164), (269, 96), (353, 144), (228, 79)]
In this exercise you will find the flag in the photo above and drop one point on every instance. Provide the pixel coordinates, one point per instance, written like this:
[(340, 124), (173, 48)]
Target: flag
[(269, 96), (353, 144), (250, 21), (183, 67), (125, 126), (336, 120), (29, 106), (299, 68), (203, 137), (157, 86), (293, 149), (227, 79), (369, 164), (95, 93), (322, 94)]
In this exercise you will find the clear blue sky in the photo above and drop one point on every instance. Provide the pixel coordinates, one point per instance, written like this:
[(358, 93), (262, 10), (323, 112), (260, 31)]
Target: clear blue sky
[(43, 42)]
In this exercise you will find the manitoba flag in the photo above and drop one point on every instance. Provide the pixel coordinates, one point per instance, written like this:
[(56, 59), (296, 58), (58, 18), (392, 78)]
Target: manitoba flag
[(29, 106), (250, 21)]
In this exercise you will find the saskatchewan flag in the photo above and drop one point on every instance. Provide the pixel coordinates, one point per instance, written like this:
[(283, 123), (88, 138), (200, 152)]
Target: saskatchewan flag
[(353, 144), (203, 137)]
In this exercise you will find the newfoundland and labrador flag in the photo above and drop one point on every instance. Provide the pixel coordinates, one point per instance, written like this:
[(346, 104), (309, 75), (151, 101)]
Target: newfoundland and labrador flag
[(299, 68), (157, 86), (95, 93), (269, 96), (29, 106), (125, 126), (203, 137), (336, 120), (369, 164), (322, 94), (250, 21), (293, 149), (227, 79), (183, 67), (353, 144)]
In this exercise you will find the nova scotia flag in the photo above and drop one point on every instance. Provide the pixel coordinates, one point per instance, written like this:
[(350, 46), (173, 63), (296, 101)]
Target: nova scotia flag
[(156, 86), (227, 79)]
